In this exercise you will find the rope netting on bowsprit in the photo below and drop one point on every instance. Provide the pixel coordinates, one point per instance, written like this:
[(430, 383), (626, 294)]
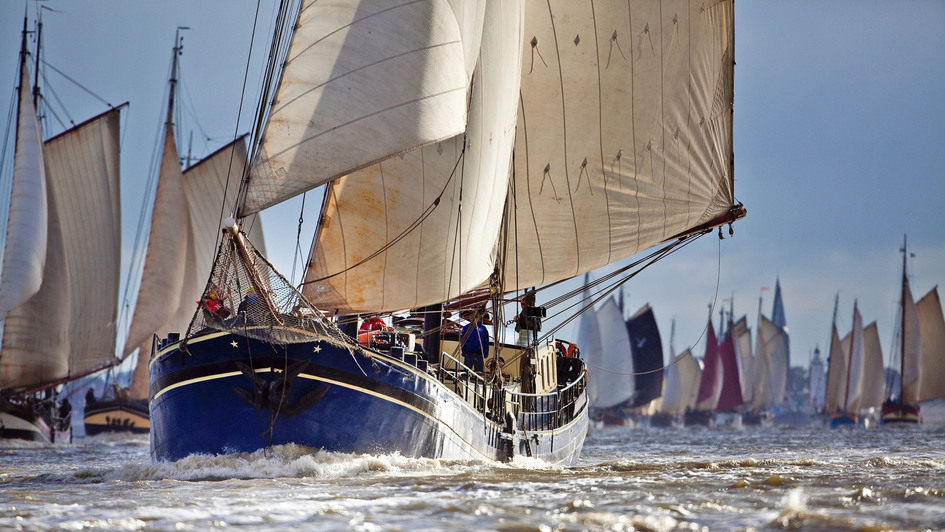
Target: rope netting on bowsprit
[(246, 295)]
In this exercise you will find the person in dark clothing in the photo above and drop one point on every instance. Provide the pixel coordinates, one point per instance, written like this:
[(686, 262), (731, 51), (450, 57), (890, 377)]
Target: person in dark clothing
[(475, 338)]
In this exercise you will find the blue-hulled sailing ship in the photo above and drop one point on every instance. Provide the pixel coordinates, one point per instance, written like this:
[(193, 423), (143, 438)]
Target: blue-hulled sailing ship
[(409, 113)]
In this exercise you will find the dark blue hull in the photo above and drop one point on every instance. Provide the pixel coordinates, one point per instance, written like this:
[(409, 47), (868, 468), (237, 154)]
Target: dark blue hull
[(225, 393)]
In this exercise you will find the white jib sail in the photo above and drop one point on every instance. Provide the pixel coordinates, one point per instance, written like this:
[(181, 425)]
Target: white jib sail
[(25, 246), (614, 374), (363, 81)]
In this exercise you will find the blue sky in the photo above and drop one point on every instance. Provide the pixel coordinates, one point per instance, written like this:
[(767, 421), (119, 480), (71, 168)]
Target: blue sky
[(839, 145)]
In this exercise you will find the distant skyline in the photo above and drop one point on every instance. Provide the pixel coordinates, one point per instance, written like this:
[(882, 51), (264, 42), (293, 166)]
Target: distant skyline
[(839, 146)]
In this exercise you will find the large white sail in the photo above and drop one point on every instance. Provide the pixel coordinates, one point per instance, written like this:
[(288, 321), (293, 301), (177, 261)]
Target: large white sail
[(68, 327), (592, 351), (356, 68), (24, 252), (448, 205), (873, 378), (614, 374), (932, 325), (911, 344), (624, 135)]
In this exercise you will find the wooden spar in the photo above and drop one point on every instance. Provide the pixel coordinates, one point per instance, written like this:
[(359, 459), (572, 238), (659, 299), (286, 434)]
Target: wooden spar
[(262, 289)]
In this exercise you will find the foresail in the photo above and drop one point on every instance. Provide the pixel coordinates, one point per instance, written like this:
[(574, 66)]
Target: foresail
[(614, 376), (166, 260), (932, 324), (624, 135), (592, 351), (68, 327), (25, 245), (422, 228), (210, 188), (854, 346), (362, 82), (836, 374), (873, 384)]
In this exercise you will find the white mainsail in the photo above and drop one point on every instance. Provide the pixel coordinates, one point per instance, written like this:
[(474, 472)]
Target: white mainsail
[(592, 351), (873, 378), (355, 69), (624, 135), (24, 252), (446, 250), (932, 325), (614, 374), (68, 327)]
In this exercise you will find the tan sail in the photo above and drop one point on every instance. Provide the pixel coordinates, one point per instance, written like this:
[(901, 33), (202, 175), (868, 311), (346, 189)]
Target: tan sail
[(836, 374), (25, 245), (353, 69), (911, 343), (873, 379), (205, 186), (853, 344), (681, 384), (165, 264), (932, 325), (624, 135), (393, 232), (742, 335), (68, 327)]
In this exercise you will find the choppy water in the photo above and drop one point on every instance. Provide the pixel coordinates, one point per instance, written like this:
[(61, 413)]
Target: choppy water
[(649, 479)]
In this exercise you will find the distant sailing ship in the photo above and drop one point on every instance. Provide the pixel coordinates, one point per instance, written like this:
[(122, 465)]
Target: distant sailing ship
[(854, 373), (61, 262), (921, 360)]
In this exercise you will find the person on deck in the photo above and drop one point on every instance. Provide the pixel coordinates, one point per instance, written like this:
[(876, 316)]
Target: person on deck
[(475, 338), (373, 324)]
